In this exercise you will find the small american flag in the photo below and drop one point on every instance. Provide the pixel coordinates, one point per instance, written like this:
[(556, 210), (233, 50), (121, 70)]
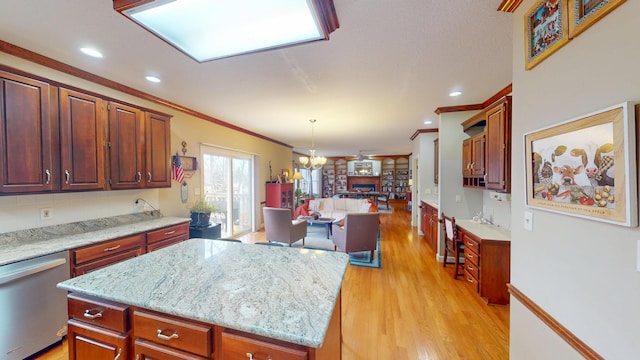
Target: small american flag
[(177, 172)]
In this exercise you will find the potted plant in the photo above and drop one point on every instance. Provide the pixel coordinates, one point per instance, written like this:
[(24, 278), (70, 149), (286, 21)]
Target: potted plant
[(201, 212)]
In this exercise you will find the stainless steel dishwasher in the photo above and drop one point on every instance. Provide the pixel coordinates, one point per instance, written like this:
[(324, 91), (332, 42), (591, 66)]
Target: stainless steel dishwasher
[(33, 311)]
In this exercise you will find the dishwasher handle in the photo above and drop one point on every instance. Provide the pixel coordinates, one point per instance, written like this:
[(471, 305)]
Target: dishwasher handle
[(30, 270)]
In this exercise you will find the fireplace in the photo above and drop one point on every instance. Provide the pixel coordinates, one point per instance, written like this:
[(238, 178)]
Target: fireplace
[(366, 187), (372, 183)]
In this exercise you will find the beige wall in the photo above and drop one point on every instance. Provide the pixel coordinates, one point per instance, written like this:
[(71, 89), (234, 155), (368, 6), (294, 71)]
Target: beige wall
[(19, 212), (582, 272)]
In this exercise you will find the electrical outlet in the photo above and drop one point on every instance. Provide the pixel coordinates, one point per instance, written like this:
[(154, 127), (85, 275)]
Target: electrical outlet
[(458, 198), (427, 191), (137, 204), (46, 213)]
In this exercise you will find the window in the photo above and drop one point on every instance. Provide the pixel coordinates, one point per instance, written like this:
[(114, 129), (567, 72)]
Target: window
[(227, 182)]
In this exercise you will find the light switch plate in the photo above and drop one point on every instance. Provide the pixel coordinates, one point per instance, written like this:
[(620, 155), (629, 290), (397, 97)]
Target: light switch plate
[(528, 220)]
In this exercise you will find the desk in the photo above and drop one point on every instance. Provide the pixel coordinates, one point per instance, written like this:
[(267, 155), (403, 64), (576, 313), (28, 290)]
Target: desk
[(487, 259)]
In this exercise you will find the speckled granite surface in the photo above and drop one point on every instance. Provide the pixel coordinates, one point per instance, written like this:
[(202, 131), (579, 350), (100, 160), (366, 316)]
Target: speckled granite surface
[(30, 243), (279, 292)]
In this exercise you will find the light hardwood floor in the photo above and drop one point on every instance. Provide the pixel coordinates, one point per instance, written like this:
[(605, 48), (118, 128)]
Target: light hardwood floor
[(411, 308)]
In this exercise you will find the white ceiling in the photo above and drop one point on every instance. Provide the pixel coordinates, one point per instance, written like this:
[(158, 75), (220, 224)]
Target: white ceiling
[(370, 87)]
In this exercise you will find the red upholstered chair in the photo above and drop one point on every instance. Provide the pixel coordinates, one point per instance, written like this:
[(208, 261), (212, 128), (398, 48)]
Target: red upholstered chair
[(279, 227), (452, 244), (360, 233)]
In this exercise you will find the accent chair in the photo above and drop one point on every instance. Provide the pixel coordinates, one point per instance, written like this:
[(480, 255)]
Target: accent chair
[(279, 227), (359, 233)]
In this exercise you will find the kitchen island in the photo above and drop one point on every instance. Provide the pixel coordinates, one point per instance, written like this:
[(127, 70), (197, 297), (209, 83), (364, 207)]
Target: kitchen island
[(210, 299)]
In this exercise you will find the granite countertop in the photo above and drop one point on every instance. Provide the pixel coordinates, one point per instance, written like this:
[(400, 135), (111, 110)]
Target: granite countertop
[(431, 202), (282, 293), (26, 244), (485, 231)]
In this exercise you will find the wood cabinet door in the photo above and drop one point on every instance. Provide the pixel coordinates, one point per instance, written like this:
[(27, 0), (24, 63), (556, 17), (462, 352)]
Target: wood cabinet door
[(126, 147), (477, 153), (158, 150), (435, 223), (82, 120), (466, 157), (498, 148), (27, 137), (92, 342)]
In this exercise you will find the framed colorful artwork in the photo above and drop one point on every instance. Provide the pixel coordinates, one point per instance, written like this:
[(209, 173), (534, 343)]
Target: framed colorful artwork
[(584, 13), (585, 167), (546, 30)]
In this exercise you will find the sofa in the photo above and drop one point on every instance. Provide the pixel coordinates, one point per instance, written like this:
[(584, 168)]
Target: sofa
[(335, 208)]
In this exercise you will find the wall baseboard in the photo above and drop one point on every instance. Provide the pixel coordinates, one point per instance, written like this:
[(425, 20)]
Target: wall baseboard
[(552, 323)]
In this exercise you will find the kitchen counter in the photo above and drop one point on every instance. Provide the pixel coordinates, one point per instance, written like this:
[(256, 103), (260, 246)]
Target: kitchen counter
[(26, 244), (431, 202), (281, 293), (485, 231)]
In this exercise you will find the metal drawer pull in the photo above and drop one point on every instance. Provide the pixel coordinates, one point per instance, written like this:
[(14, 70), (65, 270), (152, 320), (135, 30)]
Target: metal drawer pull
[(165, 337), (469, 268), (470, 244), (138, 177), (470, 280), (67, 176), (118, 355), (112, 248), (250, 356), (170, 232), (89, 315), (149, 176), (48, 175)]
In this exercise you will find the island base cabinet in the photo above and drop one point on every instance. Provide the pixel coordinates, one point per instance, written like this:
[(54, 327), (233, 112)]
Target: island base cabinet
[(236, 346), (146, 350), (91, 342)]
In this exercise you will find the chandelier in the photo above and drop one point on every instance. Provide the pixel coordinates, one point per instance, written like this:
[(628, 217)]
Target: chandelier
[(313, 162)]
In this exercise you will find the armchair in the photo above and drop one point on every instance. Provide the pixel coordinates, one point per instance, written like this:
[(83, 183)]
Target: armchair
[(279, 227), (360, 232)]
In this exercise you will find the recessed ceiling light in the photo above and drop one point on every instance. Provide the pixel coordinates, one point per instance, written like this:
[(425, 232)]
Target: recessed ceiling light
[(91, 52), (455, 93), (427, 122), (152, 78)]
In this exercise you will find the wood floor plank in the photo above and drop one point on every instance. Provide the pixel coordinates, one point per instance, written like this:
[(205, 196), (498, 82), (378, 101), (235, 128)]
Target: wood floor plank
[(411, 308)]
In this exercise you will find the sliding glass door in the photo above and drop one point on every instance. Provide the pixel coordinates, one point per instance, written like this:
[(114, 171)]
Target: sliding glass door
[(227, 182)]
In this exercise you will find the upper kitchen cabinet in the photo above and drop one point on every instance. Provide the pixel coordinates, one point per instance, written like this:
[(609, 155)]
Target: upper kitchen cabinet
[(158, 150), (139, 148), (82, 154), (487, 153), (498, 147), (28, 141), (126, 146)]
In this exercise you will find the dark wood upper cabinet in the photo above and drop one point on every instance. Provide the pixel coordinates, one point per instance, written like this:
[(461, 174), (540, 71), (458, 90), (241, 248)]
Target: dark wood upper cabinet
[(498, 146), (158, 150), (82, 155), (27, 142), (126, 146)]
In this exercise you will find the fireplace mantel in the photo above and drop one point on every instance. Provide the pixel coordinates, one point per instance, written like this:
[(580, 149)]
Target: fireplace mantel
[(374, 180)]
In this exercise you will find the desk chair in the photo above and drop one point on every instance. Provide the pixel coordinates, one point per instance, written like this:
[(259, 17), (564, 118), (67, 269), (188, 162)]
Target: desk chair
[(452, 244)]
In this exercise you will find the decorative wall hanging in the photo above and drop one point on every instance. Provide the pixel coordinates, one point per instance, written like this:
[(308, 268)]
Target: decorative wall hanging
[(584, 13), (585, 167), (546, 30)]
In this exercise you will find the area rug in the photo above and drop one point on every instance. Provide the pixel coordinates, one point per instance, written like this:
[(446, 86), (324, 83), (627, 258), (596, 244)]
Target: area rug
[(317, 239)]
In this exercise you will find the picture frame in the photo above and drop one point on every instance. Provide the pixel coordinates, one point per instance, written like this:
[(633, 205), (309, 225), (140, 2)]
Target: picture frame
[(585, 167), (189, 163), (546, 29), (584, 13)]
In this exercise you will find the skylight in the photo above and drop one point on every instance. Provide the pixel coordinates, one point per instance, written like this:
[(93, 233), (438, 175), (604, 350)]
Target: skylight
[(214, 29)]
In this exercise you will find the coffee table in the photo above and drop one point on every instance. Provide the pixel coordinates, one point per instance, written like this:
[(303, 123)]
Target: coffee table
[(327, 221)]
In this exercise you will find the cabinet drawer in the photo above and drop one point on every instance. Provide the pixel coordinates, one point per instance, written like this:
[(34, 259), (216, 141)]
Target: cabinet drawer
[(472, 269), (173, 332), (164, 243), (107, 248), (471, 280), (146, 350), (471, 244), (99, 312), (237, 346), (168, 232), (470, 256)]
